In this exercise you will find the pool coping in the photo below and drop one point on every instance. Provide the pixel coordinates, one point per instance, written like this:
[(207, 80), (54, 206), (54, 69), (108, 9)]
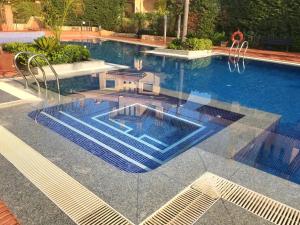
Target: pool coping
[(22, 96), (282, 62)]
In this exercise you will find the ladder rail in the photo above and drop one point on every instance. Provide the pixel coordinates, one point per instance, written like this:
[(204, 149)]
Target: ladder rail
[(32, 58), (245, 46), (28, 67), (17, 67), (235, 59), (238, 66), (43, 71), (236, 45)]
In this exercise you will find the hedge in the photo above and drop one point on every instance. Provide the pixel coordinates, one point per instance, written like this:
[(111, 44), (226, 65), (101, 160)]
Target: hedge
[(193, 44), (105, 13), (62, 54)]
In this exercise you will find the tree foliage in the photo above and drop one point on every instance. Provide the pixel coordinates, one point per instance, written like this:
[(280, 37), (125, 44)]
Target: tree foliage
[(206, 13), (57, 12), (105, 13), (23, 10), (264, 19)]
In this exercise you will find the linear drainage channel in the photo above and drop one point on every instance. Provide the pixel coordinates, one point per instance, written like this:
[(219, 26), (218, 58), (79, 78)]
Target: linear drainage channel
[(189, 205), (76, 201)]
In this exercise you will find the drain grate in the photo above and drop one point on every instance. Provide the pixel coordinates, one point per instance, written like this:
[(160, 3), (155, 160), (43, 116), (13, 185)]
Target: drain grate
[(254, 202), (184, 209), (80, 204)]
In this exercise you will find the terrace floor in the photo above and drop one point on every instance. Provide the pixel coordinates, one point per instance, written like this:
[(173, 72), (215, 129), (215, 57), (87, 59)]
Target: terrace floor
[(136, 196)]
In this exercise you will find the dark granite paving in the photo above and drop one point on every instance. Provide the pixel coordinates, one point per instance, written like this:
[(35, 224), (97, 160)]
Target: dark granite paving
[(5, 97)]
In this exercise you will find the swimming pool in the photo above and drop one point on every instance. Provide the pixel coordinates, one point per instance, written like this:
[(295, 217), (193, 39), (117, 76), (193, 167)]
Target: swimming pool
[(136, 138), (268, 87)]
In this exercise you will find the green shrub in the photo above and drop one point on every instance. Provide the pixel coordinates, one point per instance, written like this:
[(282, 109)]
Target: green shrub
[(197, 44), (176, 44), (193, 44), (69, 54), (217, 38), (47, 44), (59, 55), (16, 47)]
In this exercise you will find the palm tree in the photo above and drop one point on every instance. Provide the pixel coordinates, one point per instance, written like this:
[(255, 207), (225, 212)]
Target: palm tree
[(185, 19)]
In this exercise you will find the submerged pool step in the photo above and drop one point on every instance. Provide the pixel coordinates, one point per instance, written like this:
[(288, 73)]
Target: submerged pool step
[(95, 147), (134, 153)]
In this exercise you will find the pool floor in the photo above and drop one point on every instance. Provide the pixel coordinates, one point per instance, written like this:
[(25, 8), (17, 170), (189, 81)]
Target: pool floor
[(136, 138)]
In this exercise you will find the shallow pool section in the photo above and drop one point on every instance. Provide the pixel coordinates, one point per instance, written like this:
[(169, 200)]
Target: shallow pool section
[(135, 138)]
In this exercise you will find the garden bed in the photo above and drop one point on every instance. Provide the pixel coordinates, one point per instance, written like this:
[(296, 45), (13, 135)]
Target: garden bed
[(190, 48), (187, 54)]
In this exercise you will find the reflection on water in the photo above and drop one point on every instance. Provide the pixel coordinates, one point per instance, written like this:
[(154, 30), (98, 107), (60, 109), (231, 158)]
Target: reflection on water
[(236, 65), (275, 154), (264, 86)]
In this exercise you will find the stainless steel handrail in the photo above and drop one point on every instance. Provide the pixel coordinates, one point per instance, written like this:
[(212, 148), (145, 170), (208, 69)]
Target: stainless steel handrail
[(234, 43), (235, 59), (245, 43), (17, 67), (230, 67), (43, 71)]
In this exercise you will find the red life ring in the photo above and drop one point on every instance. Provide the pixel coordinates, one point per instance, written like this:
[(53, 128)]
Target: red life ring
[(237, 33)]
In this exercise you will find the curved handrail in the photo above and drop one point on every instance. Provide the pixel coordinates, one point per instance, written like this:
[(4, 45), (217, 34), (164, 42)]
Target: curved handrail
[(230, 67), (234, 43), (245, 43), (238, 66), (40, 67), (32, 58), (17, 67)]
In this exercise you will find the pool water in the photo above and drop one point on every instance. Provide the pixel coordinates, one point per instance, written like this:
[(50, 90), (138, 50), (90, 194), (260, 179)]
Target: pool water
[(135, 138), (268, 87)]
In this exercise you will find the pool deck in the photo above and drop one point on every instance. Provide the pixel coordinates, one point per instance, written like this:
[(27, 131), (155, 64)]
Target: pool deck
[(136, 196), (287, 57)]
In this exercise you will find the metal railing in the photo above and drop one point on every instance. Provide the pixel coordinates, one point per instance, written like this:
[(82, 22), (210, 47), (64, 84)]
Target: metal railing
[(19, 70), (244, 47), (33, 58), (234, 59), (235, 46)]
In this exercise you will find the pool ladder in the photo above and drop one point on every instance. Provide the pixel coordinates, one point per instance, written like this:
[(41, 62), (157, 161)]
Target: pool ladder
[(236, 52), (33, 58)]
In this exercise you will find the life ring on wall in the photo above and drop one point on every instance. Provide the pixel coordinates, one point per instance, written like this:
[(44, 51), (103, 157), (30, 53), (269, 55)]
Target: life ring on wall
[(239, 34)]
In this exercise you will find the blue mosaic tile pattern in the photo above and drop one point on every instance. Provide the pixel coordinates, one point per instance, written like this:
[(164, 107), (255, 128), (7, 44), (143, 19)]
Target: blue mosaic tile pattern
[(136, 142)]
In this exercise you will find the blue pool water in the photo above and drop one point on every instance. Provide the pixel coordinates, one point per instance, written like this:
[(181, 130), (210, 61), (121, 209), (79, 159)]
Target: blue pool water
[(259, 85), (135, 138), (265, 86)]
